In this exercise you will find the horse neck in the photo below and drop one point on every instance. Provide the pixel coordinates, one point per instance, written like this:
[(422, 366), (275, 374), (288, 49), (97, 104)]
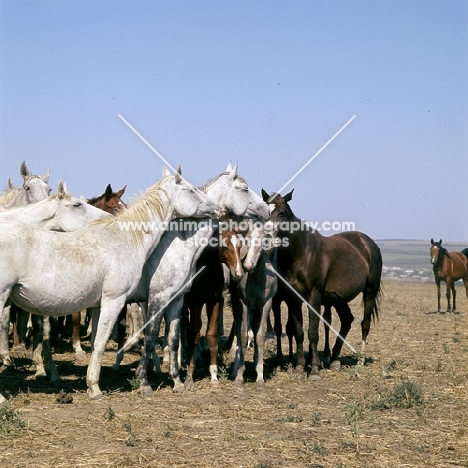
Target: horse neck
[(20, 199), (36, 214)]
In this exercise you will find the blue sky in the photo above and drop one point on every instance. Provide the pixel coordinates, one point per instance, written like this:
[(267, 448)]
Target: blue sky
[(264, 83)]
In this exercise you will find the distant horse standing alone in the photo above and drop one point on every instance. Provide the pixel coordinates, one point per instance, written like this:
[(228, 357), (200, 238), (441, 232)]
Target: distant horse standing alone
[(448, 267)]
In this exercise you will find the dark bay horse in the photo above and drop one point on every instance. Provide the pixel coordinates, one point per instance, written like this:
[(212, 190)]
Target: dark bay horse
[(448, 267), (329, 271)]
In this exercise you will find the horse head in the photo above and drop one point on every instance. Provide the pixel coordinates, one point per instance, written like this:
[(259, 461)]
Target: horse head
[(435, 250), (34, 189), (235, 197), (186, 199)]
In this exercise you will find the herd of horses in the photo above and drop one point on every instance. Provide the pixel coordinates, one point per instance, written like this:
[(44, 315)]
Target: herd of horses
[(60, 255)]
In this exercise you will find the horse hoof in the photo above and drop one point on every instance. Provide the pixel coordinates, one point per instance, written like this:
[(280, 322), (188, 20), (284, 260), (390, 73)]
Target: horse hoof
[(188, 385), (146, 390), (80, 357), (260, 383), (314, 377), (214, 383), (97, 397), (239, 383), (335, 365), (179, 389)]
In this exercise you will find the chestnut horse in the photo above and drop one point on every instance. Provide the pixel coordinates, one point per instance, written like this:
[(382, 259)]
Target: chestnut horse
[(448, 267), (207, 289), (329, 271)]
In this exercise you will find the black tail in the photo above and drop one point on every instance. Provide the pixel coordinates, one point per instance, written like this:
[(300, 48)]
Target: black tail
[(465, 252)]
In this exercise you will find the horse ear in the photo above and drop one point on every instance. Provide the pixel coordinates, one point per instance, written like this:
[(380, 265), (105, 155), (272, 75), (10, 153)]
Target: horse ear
[(440, 242), (11, 185), (61, 190), (229, 167), (165, 171), (233, 173), (432, 241), (46, 176), (288, 197), (265, 196), (24, 171), (108, 193), (120, 192)]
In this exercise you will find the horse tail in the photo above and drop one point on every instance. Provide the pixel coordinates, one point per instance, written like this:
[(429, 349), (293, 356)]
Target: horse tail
[(465, 252), (371, 292)]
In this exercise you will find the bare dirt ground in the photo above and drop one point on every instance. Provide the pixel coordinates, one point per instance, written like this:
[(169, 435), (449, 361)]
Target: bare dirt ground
[(408, 406)]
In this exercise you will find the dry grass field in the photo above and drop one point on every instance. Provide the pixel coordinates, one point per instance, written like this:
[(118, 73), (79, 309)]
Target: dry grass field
[(408, 406)]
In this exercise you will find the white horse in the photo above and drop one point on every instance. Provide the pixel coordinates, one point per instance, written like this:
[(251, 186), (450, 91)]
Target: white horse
[(252, 298), (50, 273), (34, 189), (173, 263), (60, 212)]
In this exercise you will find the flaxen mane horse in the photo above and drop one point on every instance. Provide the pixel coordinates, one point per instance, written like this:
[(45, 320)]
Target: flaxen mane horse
[(448, 267), (329, 271)]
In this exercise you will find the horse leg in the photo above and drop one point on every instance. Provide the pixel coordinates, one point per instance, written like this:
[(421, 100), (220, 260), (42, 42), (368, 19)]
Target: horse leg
[(151, 335), (327, 320), (212, 311), (173, 319), (454, 294), (278, 327), (80, 355), (295, 328), (4, 342), (314, 301), (14, 320), (49, 364), (447, 294), (346, 319), (259, 328), (109, 312), (193, 336), (242, 328), (121, 330), (438, 295)]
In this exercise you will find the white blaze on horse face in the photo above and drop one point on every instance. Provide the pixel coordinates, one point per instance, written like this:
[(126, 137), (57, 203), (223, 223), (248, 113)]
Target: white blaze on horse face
[(255, 247), (434, 254), (238, 270)]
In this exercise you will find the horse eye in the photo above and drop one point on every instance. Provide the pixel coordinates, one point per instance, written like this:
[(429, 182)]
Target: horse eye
[(27, 188), (77, 205)]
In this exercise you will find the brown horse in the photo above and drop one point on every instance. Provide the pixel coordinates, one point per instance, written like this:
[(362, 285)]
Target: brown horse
[(329, 271), (207, 289), (448, 267), (109, 201)]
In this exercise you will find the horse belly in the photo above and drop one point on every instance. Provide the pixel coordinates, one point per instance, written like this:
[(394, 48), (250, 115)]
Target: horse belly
[(56, 302)]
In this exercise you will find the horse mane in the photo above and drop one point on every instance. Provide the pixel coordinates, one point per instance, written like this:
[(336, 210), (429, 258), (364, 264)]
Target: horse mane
[(139, 212), (8, 195), (443, 252), (205, 186), (94, 200)]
